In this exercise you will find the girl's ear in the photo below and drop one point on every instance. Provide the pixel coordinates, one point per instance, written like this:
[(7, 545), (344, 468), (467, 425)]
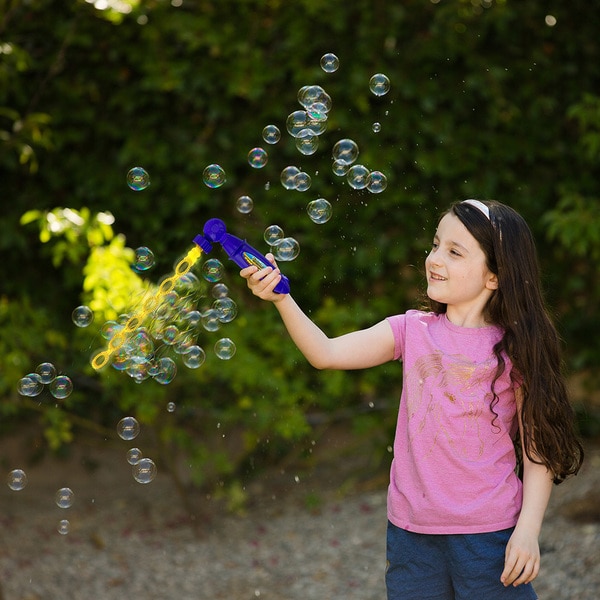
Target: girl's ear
[(492, 282)]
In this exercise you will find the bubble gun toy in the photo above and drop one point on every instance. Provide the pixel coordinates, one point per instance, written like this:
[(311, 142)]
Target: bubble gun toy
[(239, 251)]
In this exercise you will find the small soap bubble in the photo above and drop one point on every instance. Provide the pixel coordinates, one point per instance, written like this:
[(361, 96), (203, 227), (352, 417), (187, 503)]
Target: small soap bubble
[(296, 122), (133, 455), (171, 406), (257, 158), (377, 182), (17, 480), (310, 94), (319, 211), (46, 371), (210, 320), (287, 249), (339, 168), (244, 204), (64, 497), (226, 309), (212, 270), (144, 471), (219, 290), (358, 177), (61, 387), (379, 84), (214, 176), (317, 112), (271, 134), (166, 370), (307, 142), (273, 235), (138, 179), (345, 151), (329, 63), (128, 428), (82, 316), (63, 527), (376, 127), (194, 357), (144, 259), (288, 176), (302, 181), (225, 348), (109, 329), (31, 385)]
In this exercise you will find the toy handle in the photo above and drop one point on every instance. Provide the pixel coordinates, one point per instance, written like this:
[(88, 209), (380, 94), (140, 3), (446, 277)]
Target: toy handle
[(238, 250)]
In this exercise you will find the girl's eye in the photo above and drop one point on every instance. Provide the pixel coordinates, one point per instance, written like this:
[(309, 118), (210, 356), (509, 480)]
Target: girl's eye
[(455, 253)]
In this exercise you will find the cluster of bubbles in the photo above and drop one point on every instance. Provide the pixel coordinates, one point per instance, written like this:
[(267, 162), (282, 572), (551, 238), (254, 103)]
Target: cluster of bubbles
[(283, 248), (143, 469), (45, 375)]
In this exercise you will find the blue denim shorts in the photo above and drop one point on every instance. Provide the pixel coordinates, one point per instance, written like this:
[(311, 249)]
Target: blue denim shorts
[(449, 567)]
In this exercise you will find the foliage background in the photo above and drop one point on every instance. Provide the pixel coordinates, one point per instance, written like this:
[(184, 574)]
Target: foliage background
[(489, 99)]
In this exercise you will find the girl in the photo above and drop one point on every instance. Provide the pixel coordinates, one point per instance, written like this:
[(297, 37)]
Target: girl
[(482, 369)]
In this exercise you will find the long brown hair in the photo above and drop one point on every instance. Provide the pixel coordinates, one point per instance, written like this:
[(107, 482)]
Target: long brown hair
[(530, 338)]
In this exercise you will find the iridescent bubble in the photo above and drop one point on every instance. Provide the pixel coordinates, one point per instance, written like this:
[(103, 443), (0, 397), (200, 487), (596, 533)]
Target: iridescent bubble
[(144, 470), (63, 527), (273, 235), (287, 249), (144, 259), (138, 179), (212, 270), (296, 122), (170, 334), (194, 357), (358, 177), (271, 134), (310, 94), (128, 428), (225, 348), (219, 290), (307, 142), (339, 168), (31, 385), (166, 372), (376, 127), (318, 127), (257, 158), (302, 181), (46, 371), (329, 62), (64, 497), (82, 316), (120, 359), (379, 84), (210, 320), (377, 182), (319, 211), (226, 309), (61, 387), (17, 480), (134, 455), (214, 176), (317, 111), (109, 329), (194, 317), (244, 204), (345, 151), (287, 177)]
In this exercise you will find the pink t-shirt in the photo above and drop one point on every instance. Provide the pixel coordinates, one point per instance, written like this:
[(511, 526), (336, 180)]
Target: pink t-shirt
[(454, 460)]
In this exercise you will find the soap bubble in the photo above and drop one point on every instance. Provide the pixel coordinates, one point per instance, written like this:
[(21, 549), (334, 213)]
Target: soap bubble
[(82, 316), (194, 357), (376, 127), (329, 62), (128, 428), (17, 480), (133, 455), (171, 406), (61, 387), (339, 168), (47, 372), (219, 290), (225, 348), (379, 84), (287, 249), (296, 122), (144, 259), (31, 385), (63, 527), (310, 94), (288, 176), (358, 177), (214, 176), (64, 497), (212, 270), (345, 151), (257, 158), (138, 179), (307, 142), (271, 134), (319, 211), (226, 309), (317, 112), (144, 471), (210, 320), (302, 181), (273, 235), (167, 369), (109, 329), (244, 204), (377, 182)]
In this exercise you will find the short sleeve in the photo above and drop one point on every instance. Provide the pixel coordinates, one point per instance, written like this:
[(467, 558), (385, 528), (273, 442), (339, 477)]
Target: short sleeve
[(398, 325)]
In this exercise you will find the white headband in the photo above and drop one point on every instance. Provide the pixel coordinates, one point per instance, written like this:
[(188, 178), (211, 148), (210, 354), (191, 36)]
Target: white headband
[(480, 205)]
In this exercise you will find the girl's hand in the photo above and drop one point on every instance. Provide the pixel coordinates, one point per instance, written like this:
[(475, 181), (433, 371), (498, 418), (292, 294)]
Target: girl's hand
[(262, 281), (522, 559)]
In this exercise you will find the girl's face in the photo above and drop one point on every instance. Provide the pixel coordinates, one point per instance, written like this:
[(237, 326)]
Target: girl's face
[(457, 274)]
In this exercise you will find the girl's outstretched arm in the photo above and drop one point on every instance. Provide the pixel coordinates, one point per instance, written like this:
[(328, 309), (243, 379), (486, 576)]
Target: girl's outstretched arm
[(356, 350), (522, 561)]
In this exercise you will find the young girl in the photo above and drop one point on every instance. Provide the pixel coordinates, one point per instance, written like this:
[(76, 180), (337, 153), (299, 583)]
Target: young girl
[(482, 370)]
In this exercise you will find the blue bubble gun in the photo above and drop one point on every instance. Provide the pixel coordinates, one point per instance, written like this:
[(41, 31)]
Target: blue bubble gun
[(240, 252)]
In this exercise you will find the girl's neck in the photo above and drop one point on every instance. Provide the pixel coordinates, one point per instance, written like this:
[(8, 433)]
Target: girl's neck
[(466, 318)]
